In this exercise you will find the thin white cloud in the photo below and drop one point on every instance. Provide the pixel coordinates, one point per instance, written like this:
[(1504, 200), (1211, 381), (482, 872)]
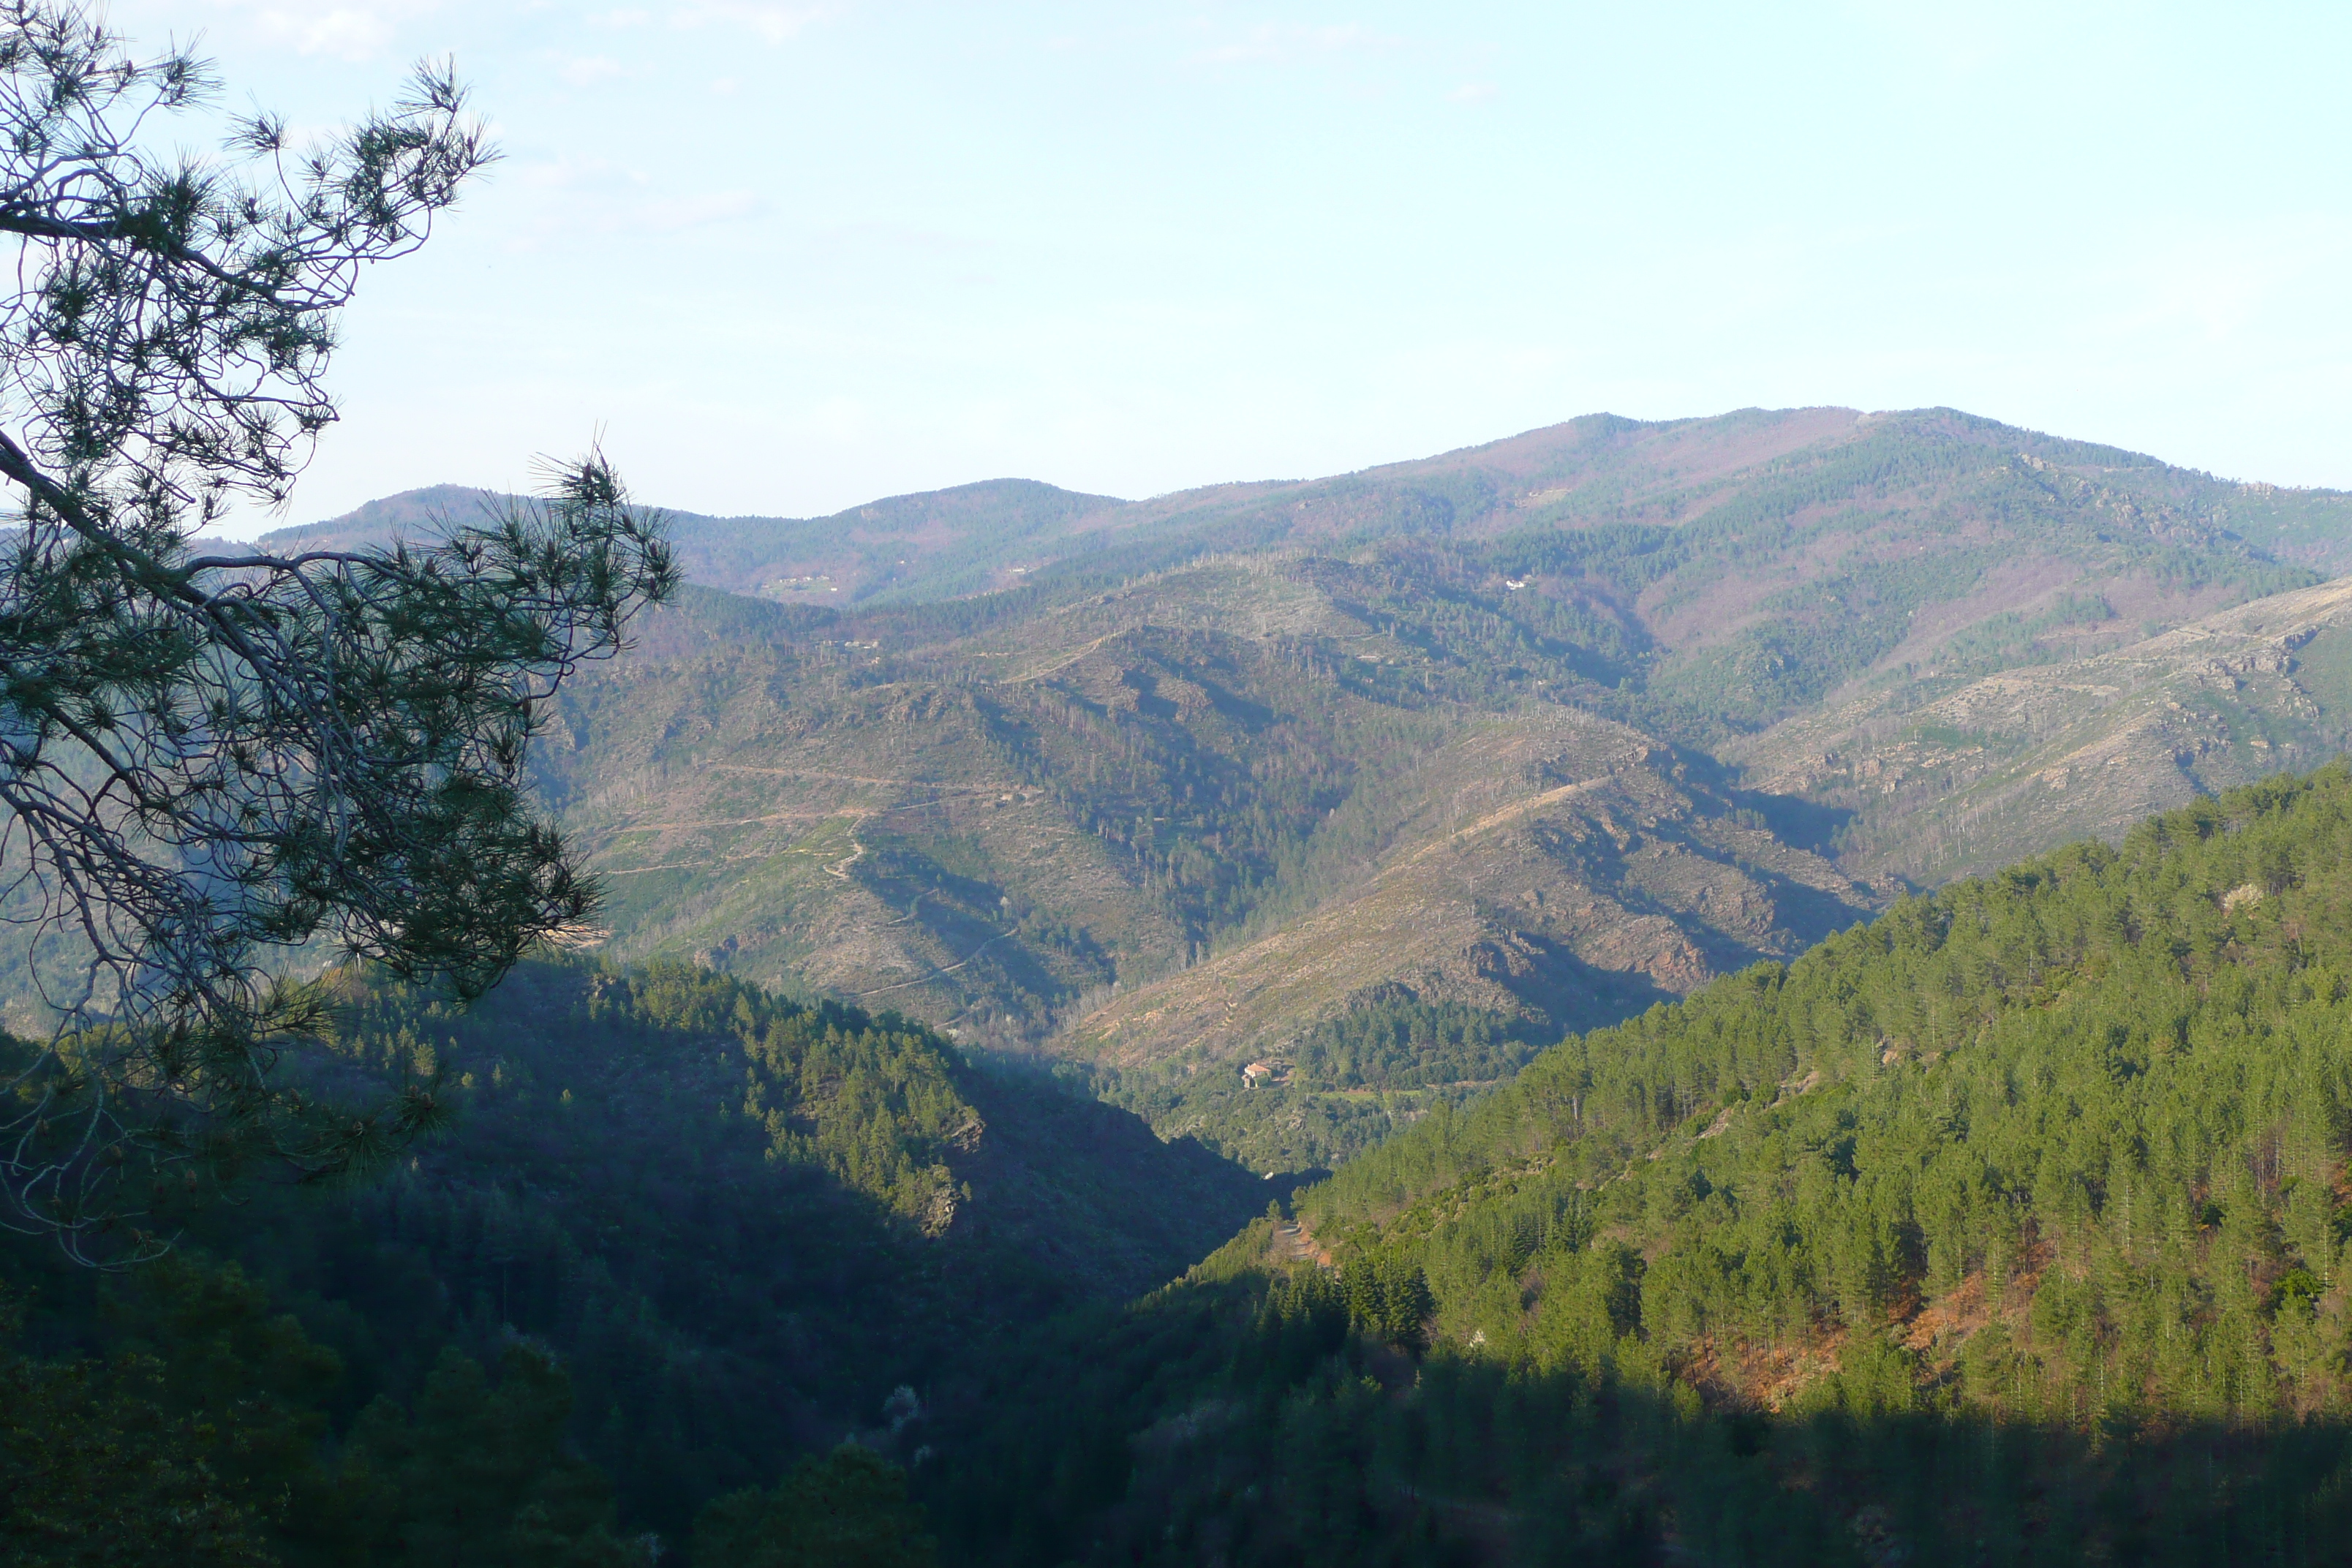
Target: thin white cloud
[(587, 71), (600, 196), (774, 24), (350, 30), (571, 175), (1474, 92), (675, 213), (1273, 44), (2220, 286)]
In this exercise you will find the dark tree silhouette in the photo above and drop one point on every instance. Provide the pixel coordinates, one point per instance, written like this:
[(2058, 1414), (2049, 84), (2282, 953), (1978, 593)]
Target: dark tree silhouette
[(208, 762)]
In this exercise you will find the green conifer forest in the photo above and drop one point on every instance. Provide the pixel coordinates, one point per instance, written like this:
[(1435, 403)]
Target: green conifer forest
[(2010, 1227)]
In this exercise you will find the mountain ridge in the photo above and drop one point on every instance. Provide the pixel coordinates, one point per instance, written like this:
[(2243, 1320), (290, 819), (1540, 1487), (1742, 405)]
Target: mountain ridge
[(1166, 786), (971, 538)]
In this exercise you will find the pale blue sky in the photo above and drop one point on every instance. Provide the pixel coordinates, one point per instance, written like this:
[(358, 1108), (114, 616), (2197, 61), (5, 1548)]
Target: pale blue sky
[(790, 257)]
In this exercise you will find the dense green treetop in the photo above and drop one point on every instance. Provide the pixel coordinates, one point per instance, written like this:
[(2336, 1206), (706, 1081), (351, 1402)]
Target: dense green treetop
[(718, 1227), (2008, 1227), (2071, 1138)]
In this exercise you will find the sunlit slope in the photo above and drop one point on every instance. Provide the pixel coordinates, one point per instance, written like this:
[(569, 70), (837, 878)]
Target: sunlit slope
[(1954, 775), (1199, 774), (1229, 722), (989, 815), (996, 817), (1545, 862), (1176, 727), (2066, 1143)]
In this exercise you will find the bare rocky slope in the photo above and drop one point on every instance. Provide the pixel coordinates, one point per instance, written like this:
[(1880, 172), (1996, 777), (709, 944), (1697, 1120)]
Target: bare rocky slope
[(1949, 781)]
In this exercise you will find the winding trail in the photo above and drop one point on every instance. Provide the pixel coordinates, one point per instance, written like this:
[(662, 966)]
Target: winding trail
[(934, 974), (856, 853), (1040, 673), (861, 778), (1492, 820)]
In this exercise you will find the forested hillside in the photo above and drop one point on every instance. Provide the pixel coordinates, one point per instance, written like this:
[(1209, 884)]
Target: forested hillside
[(2007, 1221), (2011, 1227), (1761, 991), (2080, 1127), (675, 1233)]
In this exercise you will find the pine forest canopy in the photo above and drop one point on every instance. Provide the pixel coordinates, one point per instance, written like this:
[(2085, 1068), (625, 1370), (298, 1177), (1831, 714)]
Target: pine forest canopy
[(732, 1226), (2008, 1227), (2011, 1228)]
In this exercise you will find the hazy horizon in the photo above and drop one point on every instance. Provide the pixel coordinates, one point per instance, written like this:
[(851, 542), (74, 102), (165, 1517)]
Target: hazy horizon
[(787, 258), (252, 525)]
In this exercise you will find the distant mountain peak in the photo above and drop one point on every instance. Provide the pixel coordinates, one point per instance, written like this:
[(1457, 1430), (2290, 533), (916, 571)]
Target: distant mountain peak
[(1597, 468)]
